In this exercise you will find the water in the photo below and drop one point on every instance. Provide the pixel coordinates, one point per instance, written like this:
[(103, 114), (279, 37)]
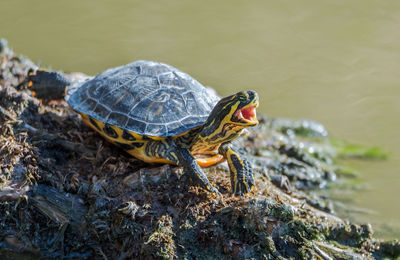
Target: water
[(334, 61)]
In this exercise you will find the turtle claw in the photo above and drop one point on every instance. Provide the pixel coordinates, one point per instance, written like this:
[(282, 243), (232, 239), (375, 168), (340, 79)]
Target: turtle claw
[(214, 191), (244, 187)]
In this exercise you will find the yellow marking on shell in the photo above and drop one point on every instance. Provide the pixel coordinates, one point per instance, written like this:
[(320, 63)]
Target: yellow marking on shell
[(138, 152), (101, 126), (136, 136), (86, 120), (120, 139), (156, 137)]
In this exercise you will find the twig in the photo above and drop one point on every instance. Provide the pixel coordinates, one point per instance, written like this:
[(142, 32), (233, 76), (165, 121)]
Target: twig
[(7, 114)]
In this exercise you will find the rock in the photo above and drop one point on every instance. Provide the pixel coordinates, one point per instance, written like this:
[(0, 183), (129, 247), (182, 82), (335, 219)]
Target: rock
[(66, 193)]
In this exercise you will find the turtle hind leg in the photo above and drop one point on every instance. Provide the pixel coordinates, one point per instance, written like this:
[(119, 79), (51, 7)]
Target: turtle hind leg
[(47, 85)]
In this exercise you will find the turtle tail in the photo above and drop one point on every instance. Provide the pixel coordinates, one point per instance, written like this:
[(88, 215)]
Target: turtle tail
[(47, 85)]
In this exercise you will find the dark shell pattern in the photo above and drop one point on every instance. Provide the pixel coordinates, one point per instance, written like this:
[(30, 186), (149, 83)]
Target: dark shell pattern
[(145, 97)]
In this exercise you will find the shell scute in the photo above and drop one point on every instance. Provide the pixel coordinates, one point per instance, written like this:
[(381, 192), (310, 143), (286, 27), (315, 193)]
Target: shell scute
[(116, 118), (102, 112)]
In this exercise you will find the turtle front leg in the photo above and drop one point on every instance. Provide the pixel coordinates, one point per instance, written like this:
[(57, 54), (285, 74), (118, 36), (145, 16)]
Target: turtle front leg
[(242, 180), (190, 166)]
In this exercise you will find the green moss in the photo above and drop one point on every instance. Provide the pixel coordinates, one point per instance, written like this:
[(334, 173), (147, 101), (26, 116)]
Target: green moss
[(347, 150), (160, 243), (346, 171), (350, 235), (299, 127)]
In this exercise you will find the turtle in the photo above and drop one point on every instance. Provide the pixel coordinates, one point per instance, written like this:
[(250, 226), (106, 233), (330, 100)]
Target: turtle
[(160, 114)]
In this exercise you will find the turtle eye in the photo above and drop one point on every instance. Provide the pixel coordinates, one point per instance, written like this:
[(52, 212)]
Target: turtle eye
[(243, 96)]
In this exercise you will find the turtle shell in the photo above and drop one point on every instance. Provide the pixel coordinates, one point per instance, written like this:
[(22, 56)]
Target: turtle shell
[(145, 97)]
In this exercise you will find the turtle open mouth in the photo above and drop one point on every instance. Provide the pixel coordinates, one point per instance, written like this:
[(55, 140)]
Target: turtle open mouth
[(247, 114)]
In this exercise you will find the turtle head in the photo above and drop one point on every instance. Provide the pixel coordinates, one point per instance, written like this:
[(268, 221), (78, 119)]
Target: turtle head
[(243, 108), (238, 109), (230, 116)]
